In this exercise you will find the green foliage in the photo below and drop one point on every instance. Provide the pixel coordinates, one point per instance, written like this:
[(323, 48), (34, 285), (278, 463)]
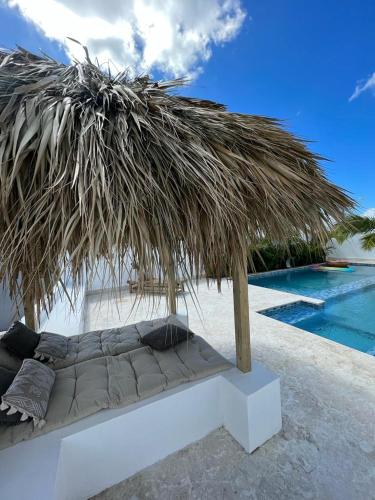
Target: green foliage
[(356, 224), (268, 256)]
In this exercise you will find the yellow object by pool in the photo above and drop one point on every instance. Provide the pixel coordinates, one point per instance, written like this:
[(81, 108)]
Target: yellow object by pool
[(343, 269)]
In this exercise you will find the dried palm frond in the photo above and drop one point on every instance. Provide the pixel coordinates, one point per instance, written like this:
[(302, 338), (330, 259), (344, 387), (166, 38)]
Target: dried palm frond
[(94, 166)]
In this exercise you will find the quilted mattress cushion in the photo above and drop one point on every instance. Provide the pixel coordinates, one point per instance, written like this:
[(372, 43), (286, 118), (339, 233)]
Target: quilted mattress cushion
[(111, 342), (117, 381), (99, 343), (51, 346)]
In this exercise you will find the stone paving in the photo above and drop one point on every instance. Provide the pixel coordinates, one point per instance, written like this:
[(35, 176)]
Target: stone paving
[(326, 449)]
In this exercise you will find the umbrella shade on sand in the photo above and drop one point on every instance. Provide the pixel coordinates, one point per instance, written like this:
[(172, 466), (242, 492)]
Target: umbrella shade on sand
[(99, 166)]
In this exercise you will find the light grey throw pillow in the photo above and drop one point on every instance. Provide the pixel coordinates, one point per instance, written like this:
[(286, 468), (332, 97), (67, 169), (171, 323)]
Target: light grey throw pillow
[(51, 346), (29, 392)]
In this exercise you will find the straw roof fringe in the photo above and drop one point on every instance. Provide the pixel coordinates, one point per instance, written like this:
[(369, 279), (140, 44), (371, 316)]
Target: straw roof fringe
[(94, 165)]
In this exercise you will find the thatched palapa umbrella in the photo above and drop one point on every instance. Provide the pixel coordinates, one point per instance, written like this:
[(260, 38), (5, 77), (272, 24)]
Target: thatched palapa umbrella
[(96, 166)]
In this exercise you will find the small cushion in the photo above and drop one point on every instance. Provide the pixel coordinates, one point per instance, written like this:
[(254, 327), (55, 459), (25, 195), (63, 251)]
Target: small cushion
[(51, 346), (29, 392), (20, 340), (7, 359), (167, 335), (6, 379)]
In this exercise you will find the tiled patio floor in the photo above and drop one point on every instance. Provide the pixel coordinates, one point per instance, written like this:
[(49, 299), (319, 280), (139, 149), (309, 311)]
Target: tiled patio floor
[(326, 449)]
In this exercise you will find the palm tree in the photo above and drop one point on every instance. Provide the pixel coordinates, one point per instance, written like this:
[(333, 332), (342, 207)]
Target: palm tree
[(356, 224)]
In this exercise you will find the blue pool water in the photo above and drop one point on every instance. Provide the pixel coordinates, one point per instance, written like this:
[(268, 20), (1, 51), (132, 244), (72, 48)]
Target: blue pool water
[(348, 315), (318, 284)]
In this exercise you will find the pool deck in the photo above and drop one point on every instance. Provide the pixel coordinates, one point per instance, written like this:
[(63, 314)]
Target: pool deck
[(326, 449), (370, 262)]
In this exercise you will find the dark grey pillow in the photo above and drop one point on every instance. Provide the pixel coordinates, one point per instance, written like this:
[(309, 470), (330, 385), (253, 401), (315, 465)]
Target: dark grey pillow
[(6, 379), (8, 360), (29, 392), (20, 340), (51, 346), (167, 335)]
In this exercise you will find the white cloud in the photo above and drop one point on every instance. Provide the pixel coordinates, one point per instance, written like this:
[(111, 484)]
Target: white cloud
[(363, 86), (369, 213), (173, 36)]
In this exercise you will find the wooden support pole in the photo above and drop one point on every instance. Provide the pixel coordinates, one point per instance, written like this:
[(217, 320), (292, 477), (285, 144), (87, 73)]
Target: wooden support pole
[(29, 307), (172, 299), (241, 315)]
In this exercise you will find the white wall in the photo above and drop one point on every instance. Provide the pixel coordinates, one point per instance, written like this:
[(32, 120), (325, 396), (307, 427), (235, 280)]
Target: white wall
[(102, 279), (8, 310), (62, 319), (350, 249)]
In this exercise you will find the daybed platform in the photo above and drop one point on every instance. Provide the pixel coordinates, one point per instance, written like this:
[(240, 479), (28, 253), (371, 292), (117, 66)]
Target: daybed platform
[(94, 344), (109, 342), (155, 402), (85, 388)]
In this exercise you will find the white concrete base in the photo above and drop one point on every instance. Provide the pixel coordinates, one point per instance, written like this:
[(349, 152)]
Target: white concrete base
[(97, 452), (251, 406)]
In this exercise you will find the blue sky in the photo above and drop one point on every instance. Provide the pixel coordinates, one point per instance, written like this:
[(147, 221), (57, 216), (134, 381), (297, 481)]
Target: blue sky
[(297, 61)]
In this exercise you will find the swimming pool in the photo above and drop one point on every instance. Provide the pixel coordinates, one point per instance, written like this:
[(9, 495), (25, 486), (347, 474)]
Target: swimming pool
[(347, 316), (317, 284)]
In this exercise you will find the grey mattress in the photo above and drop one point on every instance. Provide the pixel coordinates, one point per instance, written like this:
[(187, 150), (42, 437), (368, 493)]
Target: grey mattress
[(111, 342), (87, 346), (95, 344), (99, 343), (85, 388)]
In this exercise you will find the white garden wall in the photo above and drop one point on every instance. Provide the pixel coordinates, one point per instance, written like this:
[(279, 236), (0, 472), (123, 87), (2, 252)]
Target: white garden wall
[(350, 249)]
